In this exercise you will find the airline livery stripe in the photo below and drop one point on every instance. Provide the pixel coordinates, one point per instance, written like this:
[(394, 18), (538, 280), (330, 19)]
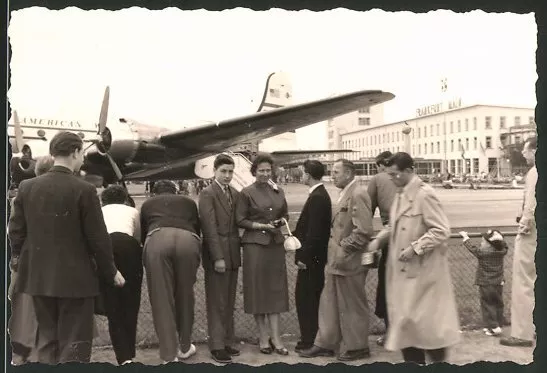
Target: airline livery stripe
[(57, 128)]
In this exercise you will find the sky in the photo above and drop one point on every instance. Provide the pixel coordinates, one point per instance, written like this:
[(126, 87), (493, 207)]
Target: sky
[(172, 67)]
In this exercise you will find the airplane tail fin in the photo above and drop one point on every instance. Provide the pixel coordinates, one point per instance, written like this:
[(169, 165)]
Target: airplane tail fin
[(278, 92)]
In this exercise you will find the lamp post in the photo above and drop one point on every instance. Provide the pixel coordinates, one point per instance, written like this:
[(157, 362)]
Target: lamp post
[(406, 135), (444, 87)]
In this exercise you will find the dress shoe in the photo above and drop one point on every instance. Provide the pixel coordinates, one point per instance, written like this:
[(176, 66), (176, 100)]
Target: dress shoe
[(316, 351), (221, 356), (232, 351), (354, 355), (185, 355), (516, 342), (280, 351), (300, 347)]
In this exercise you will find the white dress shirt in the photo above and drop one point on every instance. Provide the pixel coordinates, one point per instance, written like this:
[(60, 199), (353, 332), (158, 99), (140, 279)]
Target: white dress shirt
[(314, 187), (122, 218)]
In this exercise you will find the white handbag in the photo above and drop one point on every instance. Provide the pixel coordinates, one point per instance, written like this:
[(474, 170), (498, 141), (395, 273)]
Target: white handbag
[(291, 242)]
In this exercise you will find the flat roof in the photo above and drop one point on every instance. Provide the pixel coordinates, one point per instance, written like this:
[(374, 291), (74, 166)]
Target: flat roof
[(441, 113)]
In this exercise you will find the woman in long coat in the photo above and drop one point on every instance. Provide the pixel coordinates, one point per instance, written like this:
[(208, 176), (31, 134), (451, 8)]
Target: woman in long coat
[(260, 208), (421, 304)]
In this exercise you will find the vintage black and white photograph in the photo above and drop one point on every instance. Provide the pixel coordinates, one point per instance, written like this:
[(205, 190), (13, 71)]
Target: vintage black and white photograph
[(259, 187)]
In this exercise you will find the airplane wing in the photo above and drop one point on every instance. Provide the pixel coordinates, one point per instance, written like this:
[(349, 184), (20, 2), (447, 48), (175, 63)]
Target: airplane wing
[(197, 142)]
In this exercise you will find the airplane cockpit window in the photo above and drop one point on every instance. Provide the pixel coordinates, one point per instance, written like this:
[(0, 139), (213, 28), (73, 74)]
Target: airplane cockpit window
[(41, 133)]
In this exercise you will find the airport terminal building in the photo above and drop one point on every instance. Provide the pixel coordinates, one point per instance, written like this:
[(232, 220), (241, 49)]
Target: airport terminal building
[(458, 139)]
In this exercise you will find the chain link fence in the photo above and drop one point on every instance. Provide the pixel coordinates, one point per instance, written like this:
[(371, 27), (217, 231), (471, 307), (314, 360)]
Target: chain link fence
[(463, 266)]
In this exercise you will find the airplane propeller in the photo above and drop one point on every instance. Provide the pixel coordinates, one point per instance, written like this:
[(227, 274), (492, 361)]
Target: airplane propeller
[(19, 142), (103, 141)]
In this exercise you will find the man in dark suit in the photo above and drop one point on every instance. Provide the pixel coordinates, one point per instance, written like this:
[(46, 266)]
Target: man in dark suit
[(221, 257), (313, 231), (58, 236), (382, 192)]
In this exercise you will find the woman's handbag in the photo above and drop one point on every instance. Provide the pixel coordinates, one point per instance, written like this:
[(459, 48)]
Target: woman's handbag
[(291, 242)]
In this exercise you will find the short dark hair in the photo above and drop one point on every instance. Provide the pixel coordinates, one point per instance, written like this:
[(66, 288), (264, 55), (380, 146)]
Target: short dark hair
[(401, 160), (114, 194), (164, 187), (43, 165), (315, 168), (347, 164), (64, 143), (383, 157), (223, 159), (261, 158), (532, 143)]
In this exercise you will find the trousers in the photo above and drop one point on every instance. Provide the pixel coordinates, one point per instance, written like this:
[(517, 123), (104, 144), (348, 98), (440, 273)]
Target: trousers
[(65, 329), (309, 285), (343, 313), (122, 304), (171, 260), (492, 305)]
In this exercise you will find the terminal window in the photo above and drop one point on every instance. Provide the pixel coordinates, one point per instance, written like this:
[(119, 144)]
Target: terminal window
[(466, 125), (475, 143), (438, 146), (517, 121), (488, 123), (474, 123), (451, 145), (451, 127), (459, 126), (425, 131), (502, 122), (488, 142), (438, 126)]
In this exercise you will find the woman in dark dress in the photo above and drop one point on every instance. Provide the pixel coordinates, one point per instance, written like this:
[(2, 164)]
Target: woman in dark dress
[(259, 211)]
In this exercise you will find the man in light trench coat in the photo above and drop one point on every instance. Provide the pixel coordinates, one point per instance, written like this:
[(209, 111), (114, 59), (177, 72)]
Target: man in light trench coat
[(421, 303), (524, 267)]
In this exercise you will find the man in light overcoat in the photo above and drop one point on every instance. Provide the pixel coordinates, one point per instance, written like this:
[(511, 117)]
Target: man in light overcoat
[(421, 304)]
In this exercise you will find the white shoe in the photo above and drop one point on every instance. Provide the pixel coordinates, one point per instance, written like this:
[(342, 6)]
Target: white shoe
[(493, 332), (127, 362), (175, 360), (191, 351)]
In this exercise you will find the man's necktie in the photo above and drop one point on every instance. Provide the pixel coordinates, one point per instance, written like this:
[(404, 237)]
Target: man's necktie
[(228, 194)]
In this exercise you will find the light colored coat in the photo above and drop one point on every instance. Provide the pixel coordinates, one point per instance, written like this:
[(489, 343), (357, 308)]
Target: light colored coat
[(420, 296), (524, 267), (351, 232)]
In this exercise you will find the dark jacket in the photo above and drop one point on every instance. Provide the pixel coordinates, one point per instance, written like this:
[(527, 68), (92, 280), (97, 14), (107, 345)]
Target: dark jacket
[(169, 210), (57, 232), (218, 223), (490, 264), (313, 228), (260, 203)]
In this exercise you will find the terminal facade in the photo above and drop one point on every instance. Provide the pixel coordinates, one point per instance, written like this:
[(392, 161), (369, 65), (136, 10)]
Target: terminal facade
[(444, 138)]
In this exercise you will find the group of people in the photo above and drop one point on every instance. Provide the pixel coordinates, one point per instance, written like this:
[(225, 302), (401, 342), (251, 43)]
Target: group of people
[(68, 253)]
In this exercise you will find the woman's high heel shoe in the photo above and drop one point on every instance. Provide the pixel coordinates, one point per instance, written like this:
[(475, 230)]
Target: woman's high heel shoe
[(280, 351)]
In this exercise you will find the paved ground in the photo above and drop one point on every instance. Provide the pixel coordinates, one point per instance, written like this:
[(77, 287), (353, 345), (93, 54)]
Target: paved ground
[(474, 346), (464, 207)]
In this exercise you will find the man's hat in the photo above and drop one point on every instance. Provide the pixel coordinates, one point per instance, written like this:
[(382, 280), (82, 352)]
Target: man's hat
[(494, 238)]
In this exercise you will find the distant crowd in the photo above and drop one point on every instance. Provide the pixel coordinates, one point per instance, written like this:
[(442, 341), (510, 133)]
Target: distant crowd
[(74, 254)]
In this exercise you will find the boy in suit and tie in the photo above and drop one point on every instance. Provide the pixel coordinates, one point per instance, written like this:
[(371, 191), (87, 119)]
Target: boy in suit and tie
[(221, 257), (56, 230), (313, 231)]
